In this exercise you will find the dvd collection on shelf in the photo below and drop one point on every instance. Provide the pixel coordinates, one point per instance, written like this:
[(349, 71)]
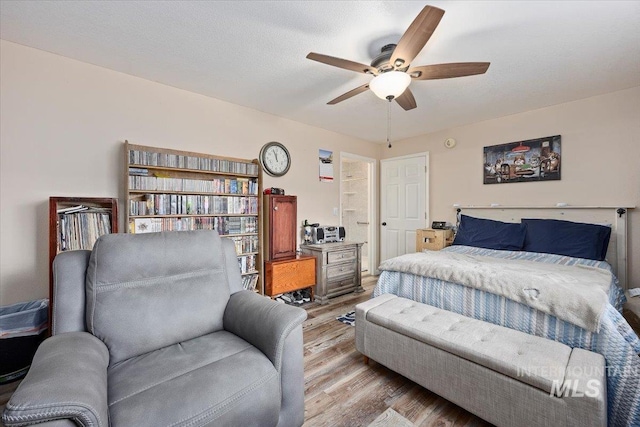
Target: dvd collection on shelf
[(170, 190), (153, 182), (223, 225), (249, 282), (246, 244), (182, 204), (168, 160), (247, 264), (80, 226)]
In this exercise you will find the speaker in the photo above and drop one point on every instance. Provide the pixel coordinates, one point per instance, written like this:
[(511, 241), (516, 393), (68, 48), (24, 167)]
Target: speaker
[(318, 235), (341, 234)]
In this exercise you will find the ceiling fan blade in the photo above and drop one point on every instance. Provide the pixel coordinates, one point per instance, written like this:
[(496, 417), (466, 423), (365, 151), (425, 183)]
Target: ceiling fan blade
[(406, 100), (349, 94), (447, 71), (416, 36), (342, 63)]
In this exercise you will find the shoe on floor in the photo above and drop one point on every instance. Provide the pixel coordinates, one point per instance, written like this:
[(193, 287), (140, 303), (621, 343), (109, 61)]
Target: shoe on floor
[(286, 298)]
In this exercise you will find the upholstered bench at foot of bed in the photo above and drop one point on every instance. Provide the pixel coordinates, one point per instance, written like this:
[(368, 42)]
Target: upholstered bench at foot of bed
[(502, 375)]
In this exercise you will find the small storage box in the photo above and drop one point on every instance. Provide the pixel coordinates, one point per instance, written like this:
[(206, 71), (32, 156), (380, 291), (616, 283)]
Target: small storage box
[(433, 240)]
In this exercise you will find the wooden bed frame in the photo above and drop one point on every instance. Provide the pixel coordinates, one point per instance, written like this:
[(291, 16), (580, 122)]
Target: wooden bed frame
[(616, 217)]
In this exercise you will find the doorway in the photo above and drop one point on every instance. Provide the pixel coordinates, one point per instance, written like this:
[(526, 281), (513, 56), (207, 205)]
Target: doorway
[(404, 190), (358, 205)]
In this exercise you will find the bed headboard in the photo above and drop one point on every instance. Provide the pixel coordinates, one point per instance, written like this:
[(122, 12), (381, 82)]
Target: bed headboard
[(615, 216)]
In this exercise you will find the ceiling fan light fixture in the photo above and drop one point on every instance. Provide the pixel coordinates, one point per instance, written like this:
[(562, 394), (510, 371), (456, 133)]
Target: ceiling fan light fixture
[(390, 84)]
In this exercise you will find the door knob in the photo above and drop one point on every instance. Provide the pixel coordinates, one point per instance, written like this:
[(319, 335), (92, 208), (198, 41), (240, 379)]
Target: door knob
[(384, 223)]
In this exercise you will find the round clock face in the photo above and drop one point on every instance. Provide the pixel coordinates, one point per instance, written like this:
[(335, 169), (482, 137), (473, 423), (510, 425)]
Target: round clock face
[(275, 159)]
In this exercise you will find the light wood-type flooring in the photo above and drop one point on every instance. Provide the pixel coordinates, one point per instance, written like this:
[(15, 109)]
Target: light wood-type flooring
[(340, 390)]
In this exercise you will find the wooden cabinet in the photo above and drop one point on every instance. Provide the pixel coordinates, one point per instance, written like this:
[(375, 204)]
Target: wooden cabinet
[(433, 240), (289, 275), (338, 268), (76, 223), (280, 225), (171, 190)]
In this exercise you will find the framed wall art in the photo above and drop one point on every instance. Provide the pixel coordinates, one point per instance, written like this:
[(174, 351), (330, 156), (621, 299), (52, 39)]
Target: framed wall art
[(326, 165), (523, 161)]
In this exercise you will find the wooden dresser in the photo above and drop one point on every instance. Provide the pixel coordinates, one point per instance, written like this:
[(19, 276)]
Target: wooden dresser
[(338, 268), (288, 275)]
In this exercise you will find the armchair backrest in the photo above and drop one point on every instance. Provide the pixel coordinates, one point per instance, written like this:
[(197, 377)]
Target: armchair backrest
[(68, 298), (147, 291)]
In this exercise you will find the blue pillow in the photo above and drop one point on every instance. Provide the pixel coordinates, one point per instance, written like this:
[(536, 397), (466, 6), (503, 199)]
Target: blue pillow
[(574, 239), (490, 234)]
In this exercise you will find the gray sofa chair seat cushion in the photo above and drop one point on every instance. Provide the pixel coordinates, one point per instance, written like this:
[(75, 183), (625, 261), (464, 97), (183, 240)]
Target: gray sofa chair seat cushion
[(216, 374)]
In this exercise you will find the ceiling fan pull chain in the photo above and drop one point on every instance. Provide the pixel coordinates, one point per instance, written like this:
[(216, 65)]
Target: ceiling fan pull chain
[(388, 121)]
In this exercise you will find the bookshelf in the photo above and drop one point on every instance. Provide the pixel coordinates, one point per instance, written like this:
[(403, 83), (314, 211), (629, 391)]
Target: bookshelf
[(181, 190), (76, 223)]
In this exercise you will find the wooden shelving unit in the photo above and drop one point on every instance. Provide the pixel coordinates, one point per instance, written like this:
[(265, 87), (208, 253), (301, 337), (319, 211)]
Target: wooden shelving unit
[(182, 190), (280, 218), (76, 223)]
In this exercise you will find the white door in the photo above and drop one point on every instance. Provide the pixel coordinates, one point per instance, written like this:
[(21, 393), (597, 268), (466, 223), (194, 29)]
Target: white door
[(403, 203)]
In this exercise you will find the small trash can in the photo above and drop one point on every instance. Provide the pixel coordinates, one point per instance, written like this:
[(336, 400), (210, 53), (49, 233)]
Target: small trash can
[(23, 327)]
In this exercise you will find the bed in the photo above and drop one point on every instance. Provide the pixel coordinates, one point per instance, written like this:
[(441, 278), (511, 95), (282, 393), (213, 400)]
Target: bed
[(609, 334)]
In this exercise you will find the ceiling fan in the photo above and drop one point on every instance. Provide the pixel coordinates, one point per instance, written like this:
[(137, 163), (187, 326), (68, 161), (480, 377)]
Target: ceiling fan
[(392, 67)]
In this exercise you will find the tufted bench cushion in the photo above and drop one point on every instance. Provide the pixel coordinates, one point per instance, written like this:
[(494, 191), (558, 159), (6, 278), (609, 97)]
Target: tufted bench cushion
[(500, 374), (501, 349)]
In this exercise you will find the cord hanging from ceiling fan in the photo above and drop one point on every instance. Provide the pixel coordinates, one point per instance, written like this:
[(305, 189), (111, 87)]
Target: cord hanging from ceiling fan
[(389, 98)]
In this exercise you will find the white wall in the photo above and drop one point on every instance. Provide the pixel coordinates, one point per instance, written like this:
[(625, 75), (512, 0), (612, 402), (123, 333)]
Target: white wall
[(62, 127), (62, 124), (600, 160)]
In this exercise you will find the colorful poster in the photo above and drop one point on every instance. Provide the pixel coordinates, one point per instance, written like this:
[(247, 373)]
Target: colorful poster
[(523, 161), (326, 165)]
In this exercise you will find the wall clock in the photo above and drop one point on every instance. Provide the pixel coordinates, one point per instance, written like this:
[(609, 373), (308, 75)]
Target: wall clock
[(275, 159)]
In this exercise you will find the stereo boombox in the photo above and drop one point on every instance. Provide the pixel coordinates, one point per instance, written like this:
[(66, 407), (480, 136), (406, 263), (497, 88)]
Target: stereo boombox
[(327, 234), (274, 191)]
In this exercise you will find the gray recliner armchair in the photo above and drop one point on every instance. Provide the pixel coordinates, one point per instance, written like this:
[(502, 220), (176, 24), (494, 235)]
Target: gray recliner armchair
[(156, 330)]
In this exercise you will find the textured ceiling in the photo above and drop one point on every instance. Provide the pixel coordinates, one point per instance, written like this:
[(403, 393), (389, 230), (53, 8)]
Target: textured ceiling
[(252, 53)]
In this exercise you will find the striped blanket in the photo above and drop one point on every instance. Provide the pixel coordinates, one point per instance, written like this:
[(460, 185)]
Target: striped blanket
[(616, 341)]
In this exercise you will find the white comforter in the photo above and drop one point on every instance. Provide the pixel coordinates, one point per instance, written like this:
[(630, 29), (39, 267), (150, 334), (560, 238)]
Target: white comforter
[(576, 294)]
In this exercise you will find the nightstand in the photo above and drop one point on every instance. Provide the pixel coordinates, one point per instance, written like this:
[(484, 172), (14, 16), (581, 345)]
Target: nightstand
[(287, 275), (433, 240), (337, 268)]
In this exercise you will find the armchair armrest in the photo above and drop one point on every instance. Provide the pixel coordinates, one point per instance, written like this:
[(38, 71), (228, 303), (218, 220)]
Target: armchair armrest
[(67, 380), (262, 322)]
